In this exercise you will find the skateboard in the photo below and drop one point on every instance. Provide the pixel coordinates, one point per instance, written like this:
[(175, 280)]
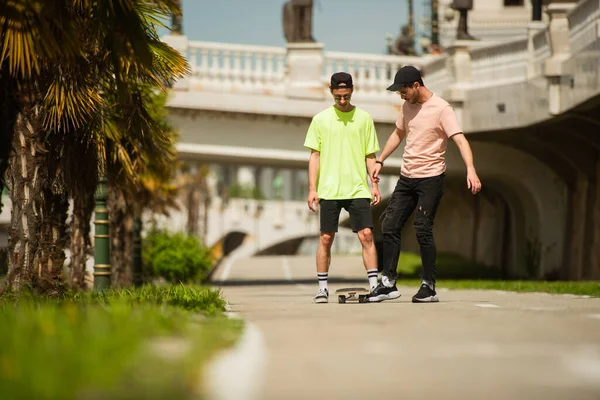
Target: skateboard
[(352, 293)]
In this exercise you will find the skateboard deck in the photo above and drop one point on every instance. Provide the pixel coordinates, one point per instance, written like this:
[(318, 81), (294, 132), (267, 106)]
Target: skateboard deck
[(352, 293)]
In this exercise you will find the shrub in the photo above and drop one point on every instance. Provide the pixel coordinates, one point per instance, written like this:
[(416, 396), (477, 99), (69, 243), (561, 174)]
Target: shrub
[(176, 257)]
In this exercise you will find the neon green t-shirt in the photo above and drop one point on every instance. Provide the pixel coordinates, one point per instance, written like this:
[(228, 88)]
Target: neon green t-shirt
[(343, 139)]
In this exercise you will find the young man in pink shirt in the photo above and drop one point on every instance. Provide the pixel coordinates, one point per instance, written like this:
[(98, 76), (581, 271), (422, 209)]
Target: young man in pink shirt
[(427, 122)]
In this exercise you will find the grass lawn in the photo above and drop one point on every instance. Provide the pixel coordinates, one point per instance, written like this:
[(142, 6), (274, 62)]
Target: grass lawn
[(149, 343), (453, 272)]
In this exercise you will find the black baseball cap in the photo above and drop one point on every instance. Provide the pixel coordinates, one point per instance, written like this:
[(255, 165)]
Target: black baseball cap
[(341, 80), (405, 76)]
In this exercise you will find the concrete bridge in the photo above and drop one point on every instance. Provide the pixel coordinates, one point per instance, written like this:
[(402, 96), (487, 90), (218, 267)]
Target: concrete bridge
[(529, 107)]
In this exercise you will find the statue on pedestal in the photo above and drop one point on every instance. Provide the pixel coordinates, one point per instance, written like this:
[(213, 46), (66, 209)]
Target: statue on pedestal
[(463, 7), (403, 45), (297, 21)]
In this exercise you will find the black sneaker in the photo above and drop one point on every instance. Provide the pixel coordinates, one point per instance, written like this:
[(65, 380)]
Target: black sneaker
[(382, 292), (425, 295)]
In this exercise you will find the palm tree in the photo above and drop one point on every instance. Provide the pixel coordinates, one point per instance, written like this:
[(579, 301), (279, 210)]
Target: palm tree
[(78, 69)]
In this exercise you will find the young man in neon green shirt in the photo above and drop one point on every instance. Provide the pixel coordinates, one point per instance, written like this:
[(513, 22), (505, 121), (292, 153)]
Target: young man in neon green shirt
[(343, 143)]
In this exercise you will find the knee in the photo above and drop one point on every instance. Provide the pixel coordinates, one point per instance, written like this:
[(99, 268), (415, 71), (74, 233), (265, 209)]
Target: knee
[(387, 225), (365, 236), (423, 229), (327, 239)]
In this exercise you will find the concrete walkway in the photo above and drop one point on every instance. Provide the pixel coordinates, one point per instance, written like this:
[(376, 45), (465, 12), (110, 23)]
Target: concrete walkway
[(471, 345)]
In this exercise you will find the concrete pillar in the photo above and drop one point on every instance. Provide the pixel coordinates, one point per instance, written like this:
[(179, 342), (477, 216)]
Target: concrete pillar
[(532, 29), (245, 176), (287, 184), (556, 69), (304, 71), (591, 268), (575, 230), (459, 64), (265, 183)]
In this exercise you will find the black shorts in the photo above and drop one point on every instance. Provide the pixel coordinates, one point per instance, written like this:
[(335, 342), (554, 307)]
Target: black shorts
[(359, 210)]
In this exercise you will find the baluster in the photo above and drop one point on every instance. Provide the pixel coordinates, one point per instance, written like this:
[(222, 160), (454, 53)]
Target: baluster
[(226, 71), (203, 69), (194, 61), (269, 75), (259, 72), (247, 70), (361, 74), (236, 74), (281, 67)]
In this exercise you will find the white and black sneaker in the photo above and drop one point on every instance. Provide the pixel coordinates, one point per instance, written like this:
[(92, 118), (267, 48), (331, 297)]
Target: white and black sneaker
[(426, 294), (322, 296), (382, 292)]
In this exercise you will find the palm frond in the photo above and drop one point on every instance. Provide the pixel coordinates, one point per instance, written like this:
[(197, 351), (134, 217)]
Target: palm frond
[(69, 106), (33, 31)]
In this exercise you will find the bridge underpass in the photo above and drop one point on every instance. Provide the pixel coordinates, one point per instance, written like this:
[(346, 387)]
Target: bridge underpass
[(528, 107), (569, 145)]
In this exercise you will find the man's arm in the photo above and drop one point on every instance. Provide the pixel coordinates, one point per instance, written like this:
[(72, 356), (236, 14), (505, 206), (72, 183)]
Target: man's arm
[(473, 182), (390, 146), (375, 187), (314, 164)]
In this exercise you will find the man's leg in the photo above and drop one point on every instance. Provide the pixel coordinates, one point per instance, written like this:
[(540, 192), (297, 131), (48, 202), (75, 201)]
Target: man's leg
[(330, 214), (430, 192), (399, 209), (362, 223)]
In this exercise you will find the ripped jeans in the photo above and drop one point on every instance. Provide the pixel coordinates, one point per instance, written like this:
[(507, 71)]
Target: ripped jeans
[(424, 194)]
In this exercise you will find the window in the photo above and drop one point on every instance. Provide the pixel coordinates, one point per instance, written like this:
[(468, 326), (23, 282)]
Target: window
[(513, 3)]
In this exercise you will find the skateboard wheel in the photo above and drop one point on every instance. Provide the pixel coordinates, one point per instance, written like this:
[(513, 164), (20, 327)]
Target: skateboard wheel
[(362, 298), (341, 299)]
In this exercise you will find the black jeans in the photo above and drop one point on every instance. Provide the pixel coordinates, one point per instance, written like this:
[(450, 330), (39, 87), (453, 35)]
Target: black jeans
[(410, 193)]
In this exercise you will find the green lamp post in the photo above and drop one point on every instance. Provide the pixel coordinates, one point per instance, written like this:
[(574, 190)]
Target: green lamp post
[(102, 270), (137, 251)]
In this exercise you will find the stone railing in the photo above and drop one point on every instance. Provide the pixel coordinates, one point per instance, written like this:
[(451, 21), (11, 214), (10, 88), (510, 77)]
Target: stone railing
[(236, 67), (371, 73), (541, 51), (436, 75), (584, 26), (499, 64), (303, 72)]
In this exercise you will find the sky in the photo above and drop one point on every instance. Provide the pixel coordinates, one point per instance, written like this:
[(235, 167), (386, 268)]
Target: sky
[(341, 25)]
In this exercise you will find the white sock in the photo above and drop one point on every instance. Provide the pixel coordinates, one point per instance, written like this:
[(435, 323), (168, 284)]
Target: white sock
[(386, 281), (372, 275), (322, 276)]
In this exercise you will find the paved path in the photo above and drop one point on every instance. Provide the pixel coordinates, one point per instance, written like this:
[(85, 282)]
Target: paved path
[(471, 345)]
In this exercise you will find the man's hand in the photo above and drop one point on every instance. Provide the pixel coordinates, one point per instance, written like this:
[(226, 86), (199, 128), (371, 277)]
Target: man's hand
[(375, 173), (473, 182), (313, 200), (376, 196)]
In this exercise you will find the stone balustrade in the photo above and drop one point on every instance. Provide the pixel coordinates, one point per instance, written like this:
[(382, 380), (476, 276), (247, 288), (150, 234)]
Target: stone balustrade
[(372, 73), (302, 71), (584, 27), (236, 67), (499, 64)]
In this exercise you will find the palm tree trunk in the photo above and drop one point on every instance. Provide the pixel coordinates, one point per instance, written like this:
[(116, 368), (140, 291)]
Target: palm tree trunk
[(27, 178), (49, 259), (121, 237), (9, 110), (83, 209), (193, 209)]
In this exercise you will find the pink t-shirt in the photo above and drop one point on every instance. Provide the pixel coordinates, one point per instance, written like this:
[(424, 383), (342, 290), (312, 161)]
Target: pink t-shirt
[(428, 127)]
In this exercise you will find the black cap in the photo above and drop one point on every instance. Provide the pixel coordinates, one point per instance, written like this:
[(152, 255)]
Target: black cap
[(341, 80), (405, 76)]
